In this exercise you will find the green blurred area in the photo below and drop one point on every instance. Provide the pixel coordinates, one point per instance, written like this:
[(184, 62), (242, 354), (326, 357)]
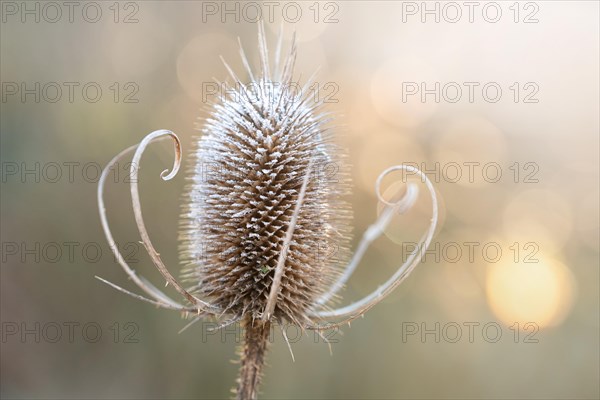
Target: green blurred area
[(163, 60)]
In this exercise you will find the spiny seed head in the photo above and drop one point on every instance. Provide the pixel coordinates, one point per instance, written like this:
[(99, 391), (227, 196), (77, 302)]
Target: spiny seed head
[(249, 167)]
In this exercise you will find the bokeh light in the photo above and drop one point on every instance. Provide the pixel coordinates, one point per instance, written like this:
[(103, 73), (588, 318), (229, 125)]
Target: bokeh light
[(539, 216), (138, 52), (469, 144), (387, 148), (195, 71), (391, 92), (541, 293)]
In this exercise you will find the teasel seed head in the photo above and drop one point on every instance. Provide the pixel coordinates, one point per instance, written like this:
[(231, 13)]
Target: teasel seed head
[(263, 211), (249, 165)]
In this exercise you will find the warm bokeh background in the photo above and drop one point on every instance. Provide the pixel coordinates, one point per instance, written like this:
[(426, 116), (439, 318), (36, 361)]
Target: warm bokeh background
[(368, 54)]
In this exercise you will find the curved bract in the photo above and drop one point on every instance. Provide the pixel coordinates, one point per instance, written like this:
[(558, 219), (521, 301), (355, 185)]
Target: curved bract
[(347, 313)]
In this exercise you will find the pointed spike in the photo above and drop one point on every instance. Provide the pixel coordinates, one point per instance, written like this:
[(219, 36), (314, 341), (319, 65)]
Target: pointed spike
[(278, 52), (137, 296), (290, 61), (189, 324), (288, 342), (230, 71), (245, 61), (264, 51)]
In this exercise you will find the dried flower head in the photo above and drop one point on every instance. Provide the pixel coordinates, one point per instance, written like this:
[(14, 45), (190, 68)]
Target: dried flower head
[(259, 211), (257, 147)]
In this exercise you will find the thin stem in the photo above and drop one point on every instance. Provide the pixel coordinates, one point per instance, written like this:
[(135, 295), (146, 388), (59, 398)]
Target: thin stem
[(252, 357)]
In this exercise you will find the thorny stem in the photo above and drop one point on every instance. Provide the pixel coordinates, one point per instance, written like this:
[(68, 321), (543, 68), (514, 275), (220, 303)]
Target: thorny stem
[(252, 357)]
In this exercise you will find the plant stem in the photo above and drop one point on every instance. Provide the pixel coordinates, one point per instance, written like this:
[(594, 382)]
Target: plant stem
[(252, 357)]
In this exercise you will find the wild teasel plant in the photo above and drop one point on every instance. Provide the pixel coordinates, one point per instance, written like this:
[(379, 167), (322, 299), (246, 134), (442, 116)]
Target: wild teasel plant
[(251, 227)]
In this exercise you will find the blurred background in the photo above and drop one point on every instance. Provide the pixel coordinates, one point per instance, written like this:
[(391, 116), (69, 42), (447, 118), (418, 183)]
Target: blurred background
[(498, 103)]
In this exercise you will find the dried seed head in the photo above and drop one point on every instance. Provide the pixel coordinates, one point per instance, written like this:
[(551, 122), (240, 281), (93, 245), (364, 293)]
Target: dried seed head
[(265, 227), (249, 167)]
